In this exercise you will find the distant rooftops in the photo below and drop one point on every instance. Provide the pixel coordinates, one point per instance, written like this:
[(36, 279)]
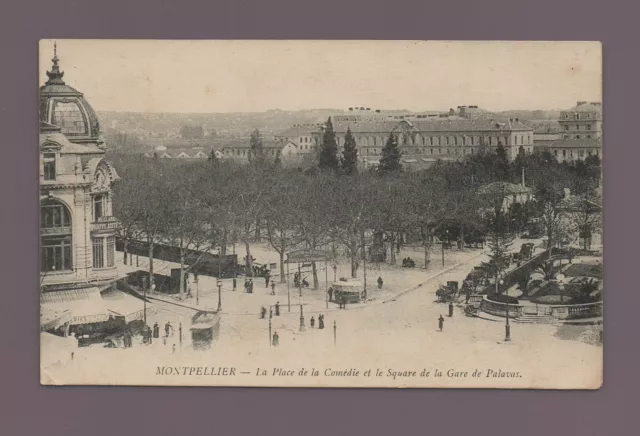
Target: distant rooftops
[(586, 106)]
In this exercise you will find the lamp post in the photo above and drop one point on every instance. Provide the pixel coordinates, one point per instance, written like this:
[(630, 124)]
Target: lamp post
[(334, 333), (364, 269), (270, 332), (326, 283), (195, 279), (144, 299), (335, 272), (442, 244), (507, 327), (300, 280), (560, 280), (288, 290), (219, 294)]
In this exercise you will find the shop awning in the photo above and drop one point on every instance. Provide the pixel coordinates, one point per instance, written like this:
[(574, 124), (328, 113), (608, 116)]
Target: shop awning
[(71, 307), (121, 304)]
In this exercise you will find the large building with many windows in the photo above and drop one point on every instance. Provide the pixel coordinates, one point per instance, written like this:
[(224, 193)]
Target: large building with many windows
[(426, 140), (77, 227), (580, 134)]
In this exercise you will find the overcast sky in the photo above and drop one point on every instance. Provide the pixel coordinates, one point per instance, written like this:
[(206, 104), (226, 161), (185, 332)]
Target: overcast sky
[(253, 76)]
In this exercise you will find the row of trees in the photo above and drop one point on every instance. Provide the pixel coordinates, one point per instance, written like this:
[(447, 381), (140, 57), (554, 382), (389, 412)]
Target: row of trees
[(211, 205), (347, 162)]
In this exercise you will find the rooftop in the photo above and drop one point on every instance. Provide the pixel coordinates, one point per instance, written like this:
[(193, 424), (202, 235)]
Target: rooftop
[(586, 106), (577, 143)]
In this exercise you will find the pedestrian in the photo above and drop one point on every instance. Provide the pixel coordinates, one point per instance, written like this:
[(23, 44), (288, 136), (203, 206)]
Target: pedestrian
[(330, 291), (450, 309), (251, 286), (321, 321), (167, 328), (440, 322), (275, 339), (147, 333), (344, 302), (273, 287), (234, 284), (270, 312), (380, 282), (267, 279), (277, 308), (156, 330), (174, 348), (312, 322), (263, 312)]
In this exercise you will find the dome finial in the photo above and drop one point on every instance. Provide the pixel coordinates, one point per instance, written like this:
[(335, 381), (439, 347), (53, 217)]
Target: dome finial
[(55, 75)]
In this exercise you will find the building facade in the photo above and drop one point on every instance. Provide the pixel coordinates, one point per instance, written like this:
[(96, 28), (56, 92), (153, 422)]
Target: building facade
[(580, 133), (425, 140), (77, 227)]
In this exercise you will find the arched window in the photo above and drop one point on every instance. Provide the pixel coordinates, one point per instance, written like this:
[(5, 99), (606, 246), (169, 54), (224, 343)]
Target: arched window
[(55, 237)]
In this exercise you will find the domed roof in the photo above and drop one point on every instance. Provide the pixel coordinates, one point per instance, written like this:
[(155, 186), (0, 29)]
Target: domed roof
[(65, 107)]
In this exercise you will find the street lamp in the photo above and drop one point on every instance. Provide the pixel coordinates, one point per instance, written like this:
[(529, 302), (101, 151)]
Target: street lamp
[(301, 319), (560, 280), (144, 298), (195, 279), (219, 283), (507, 328), (334, 333), (364, 269), (442, 244), (288, 290)]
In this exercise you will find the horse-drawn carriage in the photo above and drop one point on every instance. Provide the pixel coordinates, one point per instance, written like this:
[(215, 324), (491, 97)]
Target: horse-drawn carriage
[(448, 292)]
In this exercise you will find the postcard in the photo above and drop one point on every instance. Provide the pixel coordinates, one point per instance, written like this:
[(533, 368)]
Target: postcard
[(399, 214)]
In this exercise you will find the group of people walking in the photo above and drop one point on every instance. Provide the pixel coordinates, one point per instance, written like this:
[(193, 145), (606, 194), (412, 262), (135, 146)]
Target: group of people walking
[(312, 322), (148, 333), (263, 311), (441, 319)]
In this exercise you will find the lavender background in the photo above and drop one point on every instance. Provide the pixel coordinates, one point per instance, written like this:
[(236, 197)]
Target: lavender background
[(27, 408)]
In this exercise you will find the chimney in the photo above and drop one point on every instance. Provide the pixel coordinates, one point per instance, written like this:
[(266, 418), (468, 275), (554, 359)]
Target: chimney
[(451, 111), (351, 109)]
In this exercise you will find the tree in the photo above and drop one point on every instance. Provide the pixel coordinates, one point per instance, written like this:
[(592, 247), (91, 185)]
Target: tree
[(585, 215), (213, 157), (524, 281), (390, 159), (349, 212), (349, 158), (501, 166), (185, 220), (550, 181), (499, 251), (126, 206), (256, 150), (282, 214), (328, 157), (313, 226)]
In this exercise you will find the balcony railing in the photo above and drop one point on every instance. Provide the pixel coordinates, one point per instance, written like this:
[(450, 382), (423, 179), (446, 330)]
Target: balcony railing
[(105, 223)]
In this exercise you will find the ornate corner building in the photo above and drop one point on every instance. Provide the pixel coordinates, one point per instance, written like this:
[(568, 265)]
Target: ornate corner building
[(77, 227)]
